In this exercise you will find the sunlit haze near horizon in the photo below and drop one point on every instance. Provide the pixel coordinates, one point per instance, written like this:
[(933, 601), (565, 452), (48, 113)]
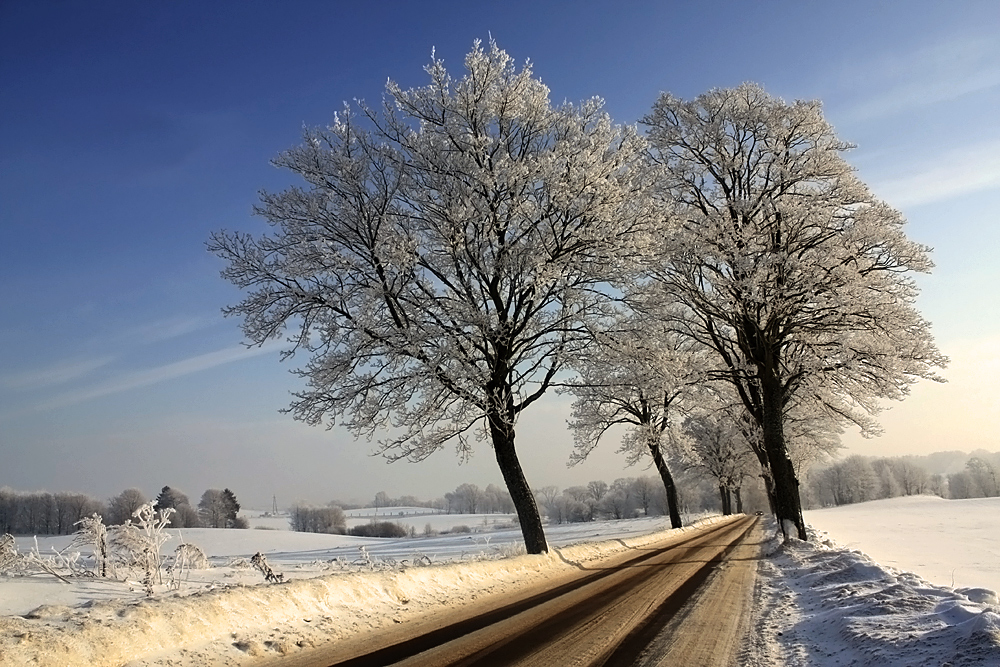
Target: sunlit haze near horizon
[(130, 131)]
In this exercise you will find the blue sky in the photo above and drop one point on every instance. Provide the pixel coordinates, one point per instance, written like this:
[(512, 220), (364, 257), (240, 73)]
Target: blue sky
[(129, 131)]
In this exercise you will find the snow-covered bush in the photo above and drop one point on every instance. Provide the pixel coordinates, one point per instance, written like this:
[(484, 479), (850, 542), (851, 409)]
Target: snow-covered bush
[(190, 556), (94, 533), (8, 553), (138, 544), (186, 557), (380, 529)]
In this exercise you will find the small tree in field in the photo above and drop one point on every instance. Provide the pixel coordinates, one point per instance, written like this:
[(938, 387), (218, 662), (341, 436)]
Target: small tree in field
[(784, 265), (440, 260), (220, 509)]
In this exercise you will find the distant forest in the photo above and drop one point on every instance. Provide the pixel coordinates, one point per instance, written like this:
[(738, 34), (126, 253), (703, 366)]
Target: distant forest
[(854, 479), (44, 513)]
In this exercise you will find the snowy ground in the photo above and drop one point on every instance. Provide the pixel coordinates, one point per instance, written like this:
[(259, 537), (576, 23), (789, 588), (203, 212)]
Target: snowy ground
[(418, 518), (817, 603), (825, 602), (947, 542), (335, 586)]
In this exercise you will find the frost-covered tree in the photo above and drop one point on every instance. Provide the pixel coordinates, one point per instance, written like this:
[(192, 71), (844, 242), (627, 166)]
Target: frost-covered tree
[(719, 450), (636, 374), (382, 499), (786, 266), (307, 519), (466, 499), (439, 260), (139, 544), (497, 500), (183, 516), (852, 480), (170, 497), (985, 475), (644, 491)]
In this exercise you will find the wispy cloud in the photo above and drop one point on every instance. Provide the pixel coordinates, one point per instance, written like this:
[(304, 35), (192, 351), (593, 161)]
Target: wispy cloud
[(173, 327), (958, 172), (152, 376), (937, 73), (54, 375)]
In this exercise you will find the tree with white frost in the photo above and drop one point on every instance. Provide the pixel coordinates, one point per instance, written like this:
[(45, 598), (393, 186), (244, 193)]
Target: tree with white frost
[(139, 544), (720, 450), (439, 261), (787, 267), (636, 374)]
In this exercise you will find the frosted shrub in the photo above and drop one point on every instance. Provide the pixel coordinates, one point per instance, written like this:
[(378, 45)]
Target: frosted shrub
[(191, 556), (138, 544), (186, 557), (380, 529), (510, 549), (8, 553), (94, 533)]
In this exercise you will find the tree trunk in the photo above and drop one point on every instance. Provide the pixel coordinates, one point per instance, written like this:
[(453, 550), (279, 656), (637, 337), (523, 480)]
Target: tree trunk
[(502, 432), (787, 505), (739, 500), (668, 484), (724, 495)]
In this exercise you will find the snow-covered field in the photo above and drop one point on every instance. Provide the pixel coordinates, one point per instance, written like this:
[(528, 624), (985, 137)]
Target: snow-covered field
[(417, 518), (947, 542), (817, 603)]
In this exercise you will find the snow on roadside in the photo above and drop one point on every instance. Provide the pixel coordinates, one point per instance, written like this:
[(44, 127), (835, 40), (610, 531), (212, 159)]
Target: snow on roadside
[(819, 604), (237, 625), (947, 542)]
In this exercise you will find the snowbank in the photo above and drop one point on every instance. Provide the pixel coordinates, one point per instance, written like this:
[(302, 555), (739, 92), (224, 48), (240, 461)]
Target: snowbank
[(820, 604)]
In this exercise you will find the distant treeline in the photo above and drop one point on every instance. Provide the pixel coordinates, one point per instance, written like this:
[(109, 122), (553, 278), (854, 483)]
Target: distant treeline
[(624, 498), (44, 513), (860, 478)]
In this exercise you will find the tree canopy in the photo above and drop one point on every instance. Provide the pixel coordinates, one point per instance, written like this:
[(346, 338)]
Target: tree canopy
[(785, 265), (438, 263)]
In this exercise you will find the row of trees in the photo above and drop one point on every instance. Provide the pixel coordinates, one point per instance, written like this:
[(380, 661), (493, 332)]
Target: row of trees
[(306, 519), (624, 498), (859, 479), (44, 513), (460, 250)]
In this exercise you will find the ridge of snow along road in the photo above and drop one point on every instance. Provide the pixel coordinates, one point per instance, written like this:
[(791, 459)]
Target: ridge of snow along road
[(819, 604), (241, 624)]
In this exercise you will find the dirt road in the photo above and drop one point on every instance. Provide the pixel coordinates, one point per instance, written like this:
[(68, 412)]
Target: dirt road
[(682, 603)]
